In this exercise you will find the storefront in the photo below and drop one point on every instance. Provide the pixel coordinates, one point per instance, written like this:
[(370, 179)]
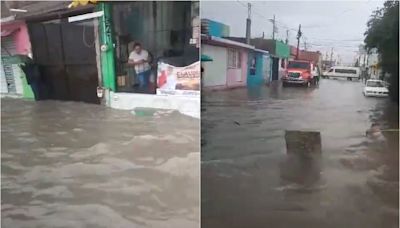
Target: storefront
[(163, 29), (279, 53), (14, 42), (259, 68), (83, 52), (63, 52), (169, 33)]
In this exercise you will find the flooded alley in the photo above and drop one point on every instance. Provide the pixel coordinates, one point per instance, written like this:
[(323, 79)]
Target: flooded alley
[(68, 164), (249, 179)]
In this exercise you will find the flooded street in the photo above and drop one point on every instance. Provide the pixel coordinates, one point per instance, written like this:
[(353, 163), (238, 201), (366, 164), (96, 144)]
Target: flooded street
[(67, 164), (249, 180)]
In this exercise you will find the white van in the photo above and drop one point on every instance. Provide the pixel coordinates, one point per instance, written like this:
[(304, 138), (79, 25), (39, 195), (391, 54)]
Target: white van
[(349, 73)]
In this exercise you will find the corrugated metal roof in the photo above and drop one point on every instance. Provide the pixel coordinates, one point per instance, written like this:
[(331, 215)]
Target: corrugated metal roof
[(37, 8), (262, 51)]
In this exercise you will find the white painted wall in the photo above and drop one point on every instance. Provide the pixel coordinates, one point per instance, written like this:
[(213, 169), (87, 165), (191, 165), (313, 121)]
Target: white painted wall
[(214, 72), (18, 74), (373, 60), (281, 69), (128, 101), (267, 68)]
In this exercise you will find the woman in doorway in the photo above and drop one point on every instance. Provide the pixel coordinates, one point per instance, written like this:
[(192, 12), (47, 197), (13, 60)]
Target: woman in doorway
[(139, 58), (132, 78)]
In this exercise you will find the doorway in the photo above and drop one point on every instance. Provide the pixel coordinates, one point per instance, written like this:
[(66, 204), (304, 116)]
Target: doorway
[(275, 68)]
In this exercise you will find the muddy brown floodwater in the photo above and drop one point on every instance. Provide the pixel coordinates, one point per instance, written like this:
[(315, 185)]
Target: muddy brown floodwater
[(249, 180), (66, 164)]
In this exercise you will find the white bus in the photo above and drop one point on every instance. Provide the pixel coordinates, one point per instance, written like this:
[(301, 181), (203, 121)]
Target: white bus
[(349, 73)]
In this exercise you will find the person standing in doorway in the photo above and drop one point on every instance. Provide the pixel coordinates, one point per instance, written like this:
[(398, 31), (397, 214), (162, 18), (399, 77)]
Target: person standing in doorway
[(139, 58)]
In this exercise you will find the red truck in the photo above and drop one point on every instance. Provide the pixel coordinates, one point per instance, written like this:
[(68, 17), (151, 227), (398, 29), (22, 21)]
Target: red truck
[(300, 72)]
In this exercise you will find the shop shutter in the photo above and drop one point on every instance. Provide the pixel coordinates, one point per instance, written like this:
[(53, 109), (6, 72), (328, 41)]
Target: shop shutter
[(8, 48)]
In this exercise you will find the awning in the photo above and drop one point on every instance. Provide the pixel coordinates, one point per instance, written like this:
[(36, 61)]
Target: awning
[(206, 58), (7, 32)]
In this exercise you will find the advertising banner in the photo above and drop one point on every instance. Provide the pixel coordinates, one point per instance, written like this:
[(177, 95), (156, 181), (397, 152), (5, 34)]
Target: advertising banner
[(172, 80)]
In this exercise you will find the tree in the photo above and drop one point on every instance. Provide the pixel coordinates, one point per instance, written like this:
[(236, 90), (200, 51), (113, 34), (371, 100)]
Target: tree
[(383, 34)]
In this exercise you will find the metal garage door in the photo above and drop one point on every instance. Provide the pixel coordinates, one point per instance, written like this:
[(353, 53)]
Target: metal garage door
[(66, 55)]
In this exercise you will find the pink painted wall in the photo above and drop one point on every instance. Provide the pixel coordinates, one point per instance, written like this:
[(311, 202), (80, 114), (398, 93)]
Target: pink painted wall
[(21, 36), (233, 74)]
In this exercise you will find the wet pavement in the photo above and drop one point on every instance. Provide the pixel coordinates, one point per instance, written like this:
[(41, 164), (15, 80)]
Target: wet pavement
[(67, 164), (249, 179)]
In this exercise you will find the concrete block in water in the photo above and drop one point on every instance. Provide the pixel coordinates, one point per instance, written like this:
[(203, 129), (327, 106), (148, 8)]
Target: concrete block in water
[(303, 142)]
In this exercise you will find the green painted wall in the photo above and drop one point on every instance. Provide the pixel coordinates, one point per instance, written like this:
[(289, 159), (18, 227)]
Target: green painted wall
[(106, 38), (27, 90), (18, 60), (282, 50)]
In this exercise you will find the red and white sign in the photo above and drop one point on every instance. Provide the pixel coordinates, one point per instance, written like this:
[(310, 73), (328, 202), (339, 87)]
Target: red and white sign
[(172, 80)]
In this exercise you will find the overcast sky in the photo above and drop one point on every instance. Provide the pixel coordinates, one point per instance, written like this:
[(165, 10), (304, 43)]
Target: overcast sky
[(325, 24)]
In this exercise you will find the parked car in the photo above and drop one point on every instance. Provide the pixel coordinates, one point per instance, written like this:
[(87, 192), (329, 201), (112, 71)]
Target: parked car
[(299, 72), (375, 88), (349, 73)]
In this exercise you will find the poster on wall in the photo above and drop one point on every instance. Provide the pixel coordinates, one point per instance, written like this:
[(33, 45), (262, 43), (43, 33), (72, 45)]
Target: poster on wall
[(172, 80)]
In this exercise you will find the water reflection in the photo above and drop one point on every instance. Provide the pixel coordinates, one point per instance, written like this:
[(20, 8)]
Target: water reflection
[(254, 92), (303, 172)]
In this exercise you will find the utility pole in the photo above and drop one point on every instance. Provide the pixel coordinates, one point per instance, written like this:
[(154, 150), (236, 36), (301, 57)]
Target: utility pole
[(331, 57), (298, 41), (273, 27), (248, 24), (287, 36), (263, 35), (305, 44)]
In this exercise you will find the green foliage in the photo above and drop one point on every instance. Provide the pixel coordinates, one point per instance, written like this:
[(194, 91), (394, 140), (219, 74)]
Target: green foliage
[(383, 34)]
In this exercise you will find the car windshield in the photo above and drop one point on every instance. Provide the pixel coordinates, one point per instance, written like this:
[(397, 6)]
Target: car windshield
[(375, 84), (300, 65)]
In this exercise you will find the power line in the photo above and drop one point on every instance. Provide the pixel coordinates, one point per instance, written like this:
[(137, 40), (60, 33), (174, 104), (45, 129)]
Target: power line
[(264, 17)]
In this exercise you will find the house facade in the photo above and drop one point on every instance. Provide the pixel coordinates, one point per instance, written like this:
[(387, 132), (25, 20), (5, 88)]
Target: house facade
[(229, 68), (278, 51), (374, 69), (83, 51), (259, 68), (14, 42), (313, 56)]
